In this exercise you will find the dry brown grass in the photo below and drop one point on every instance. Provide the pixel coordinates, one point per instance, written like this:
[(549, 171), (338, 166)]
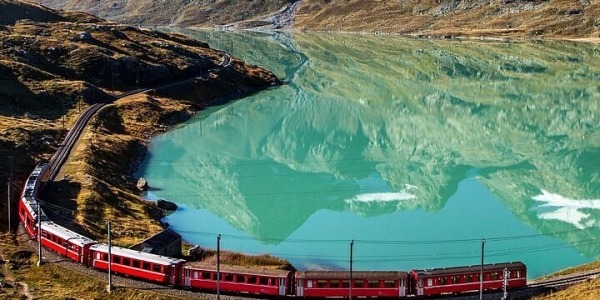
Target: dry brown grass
[(100, 166), (554, 18), (238, 259), (589, 290)]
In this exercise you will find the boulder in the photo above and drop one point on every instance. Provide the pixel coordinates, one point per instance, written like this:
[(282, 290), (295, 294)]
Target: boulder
[(142, 184), (166, 205)]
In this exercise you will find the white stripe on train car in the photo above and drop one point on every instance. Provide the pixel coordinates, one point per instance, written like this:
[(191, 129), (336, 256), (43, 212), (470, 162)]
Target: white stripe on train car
[(66, 234), (138, 255), (31, 204)]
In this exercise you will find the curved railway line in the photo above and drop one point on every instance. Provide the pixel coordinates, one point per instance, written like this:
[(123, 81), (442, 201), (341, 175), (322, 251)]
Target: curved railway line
[(70, 140)]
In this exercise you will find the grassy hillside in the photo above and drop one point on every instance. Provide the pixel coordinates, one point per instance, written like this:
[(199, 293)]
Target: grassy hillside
[(51, 70)]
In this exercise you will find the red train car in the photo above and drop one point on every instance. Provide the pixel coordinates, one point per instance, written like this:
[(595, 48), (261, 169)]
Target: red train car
[(262, 281), (66, 242), (147, 266), (381, 284), (456, 280), (35, 181), (28, 207)]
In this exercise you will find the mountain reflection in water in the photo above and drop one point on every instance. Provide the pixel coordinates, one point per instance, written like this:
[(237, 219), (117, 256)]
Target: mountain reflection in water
[(416, 149)]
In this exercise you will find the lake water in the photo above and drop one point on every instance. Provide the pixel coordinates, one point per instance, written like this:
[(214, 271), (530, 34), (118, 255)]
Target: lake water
[(415, 149)]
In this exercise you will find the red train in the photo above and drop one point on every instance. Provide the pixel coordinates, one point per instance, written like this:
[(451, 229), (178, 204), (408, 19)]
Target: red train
[(308, 284)]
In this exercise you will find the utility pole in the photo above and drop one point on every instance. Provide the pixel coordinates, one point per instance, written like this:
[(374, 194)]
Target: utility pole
[(8, 186), (350, 290), (481, 270), (80, 98), (62, 103), (218, 265), (109, 287), (113, 81), (506, 274), (39, 233), (10, 174)]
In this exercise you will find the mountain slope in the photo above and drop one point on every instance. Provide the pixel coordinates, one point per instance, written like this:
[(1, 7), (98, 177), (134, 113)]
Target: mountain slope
[(176, 12), (521, 18)]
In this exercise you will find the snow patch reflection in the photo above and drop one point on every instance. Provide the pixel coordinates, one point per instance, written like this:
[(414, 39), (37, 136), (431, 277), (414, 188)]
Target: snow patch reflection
[(382, 197), (567, 210)]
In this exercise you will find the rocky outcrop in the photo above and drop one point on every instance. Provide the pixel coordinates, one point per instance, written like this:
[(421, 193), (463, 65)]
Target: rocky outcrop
[(142, 184), (166, 205)]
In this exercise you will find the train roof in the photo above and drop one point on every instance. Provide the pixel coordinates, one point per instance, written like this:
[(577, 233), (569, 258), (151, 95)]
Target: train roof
[(139, 255), (258, 271), (39, 168), (66, 234), (32, 204), (382, 275), (468, 269)]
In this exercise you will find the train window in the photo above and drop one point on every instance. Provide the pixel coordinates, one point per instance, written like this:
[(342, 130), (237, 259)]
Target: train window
[(126, 261), (44, 233), (389, 283), (135, 263), (494, 275), (321, 283), (206, 275), (442, 281), (116, 259), (240, 278), (346, 283), (469, 278), (429, 281), (228, 277), (264, 281), (518, 274), (455, 279), (334, 283), (373, 283), (157, 268), (359, 283), (195, 275), (146, 266), (252, 280)]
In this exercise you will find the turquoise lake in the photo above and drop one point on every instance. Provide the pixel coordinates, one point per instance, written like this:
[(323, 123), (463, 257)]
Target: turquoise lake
[(415, 149)]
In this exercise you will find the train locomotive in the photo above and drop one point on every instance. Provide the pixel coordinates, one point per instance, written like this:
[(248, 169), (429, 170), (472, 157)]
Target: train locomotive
[(178, 273)]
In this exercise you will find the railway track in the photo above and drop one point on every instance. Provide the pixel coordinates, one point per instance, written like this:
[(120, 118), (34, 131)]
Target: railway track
[(65, 147), (564, 281)]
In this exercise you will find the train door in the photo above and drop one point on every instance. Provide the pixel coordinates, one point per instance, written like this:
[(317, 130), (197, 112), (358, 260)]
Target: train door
[(300, 288), (187, 275), (281, 286), (420, 287), (173, 273), (402, 287)]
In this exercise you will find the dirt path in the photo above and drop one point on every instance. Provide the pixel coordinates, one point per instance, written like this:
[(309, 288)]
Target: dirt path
[(281, 20), (9, 277)]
